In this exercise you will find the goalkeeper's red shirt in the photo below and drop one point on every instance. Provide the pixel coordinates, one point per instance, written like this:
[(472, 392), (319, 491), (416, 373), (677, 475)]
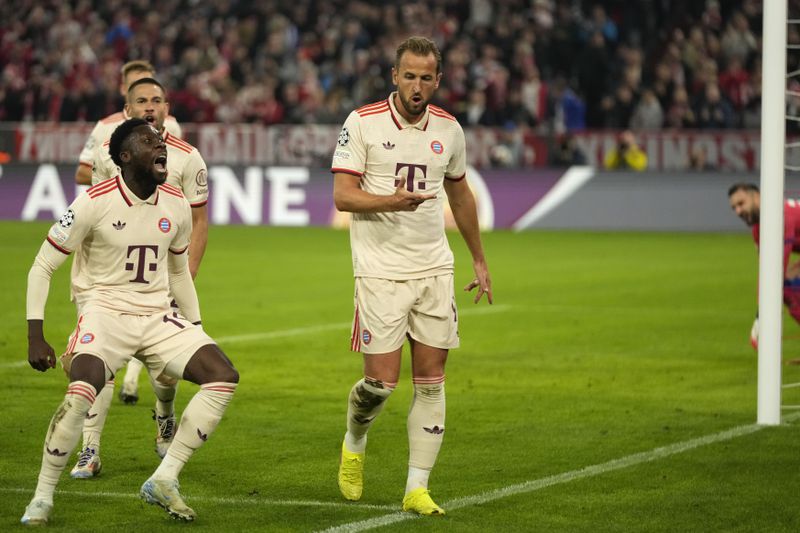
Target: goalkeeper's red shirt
[(791, 230)]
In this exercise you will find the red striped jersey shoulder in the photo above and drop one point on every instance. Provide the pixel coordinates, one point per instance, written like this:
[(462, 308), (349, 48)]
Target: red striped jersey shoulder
[(373, 109), (439, 112), (116, 117), (104, 187), (180, 144), (169, 189)]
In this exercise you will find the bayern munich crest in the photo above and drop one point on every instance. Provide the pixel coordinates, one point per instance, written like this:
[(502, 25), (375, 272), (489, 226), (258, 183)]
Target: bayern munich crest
[(437, 147), (164, 225), (87, 338), (366, 336)]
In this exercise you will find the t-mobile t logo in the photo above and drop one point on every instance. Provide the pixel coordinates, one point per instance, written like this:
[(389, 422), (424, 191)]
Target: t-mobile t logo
[(139, 264), (412, 172)]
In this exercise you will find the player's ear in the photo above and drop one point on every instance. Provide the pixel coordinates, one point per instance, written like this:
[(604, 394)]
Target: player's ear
[(438, 79), (127, 109), (125, 155), (394, 75)]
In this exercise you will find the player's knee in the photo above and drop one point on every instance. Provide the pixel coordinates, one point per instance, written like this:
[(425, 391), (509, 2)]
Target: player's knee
[(88, 368), (369, 393)]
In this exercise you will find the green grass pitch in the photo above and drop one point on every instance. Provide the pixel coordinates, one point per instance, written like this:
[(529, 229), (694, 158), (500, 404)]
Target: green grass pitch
[(600, 348)]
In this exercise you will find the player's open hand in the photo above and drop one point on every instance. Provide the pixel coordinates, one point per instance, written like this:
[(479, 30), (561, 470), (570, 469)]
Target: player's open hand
[(409, 201), (40, 354), (482, 281)]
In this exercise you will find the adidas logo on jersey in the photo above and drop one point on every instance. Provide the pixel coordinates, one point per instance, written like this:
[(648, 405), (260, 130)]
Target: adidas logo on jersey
[(118, 224), (388, 145)]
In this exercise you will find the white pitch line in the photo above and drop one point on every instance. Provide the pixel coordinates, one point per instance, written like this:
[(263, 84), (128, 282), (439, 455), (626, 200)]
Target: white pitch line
[(14, 364), (566, 477), (293, 332), (217, 500)]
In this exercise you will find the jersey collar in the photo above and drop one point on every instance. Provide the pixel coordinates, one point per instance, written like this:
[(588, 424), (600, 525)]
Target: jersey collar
[(401, 123), (130, 198)]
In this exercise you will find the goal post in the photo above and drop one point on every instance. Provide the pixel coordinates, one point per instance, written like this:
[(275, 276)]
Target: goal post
[(770, 259)]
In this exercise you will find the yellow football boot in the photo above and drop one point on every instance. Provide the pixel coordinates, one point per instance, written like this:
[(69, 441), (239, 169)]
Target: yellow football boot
[(419, 501), (351, 474)]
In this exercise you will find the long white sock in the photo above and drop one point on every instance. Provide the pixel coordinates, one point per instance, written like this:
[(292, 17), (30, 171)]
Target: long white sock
[(425, 429), (165, 398), (62, 436), (198, 421), (96, 417), (366, 400), (132, 373)]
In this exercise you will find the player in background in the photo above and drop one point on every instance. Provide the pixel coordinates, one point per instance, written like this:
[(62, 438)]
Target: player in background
[(394, 161), (186, 171), (130, 72), (745, 200), (131, 234)]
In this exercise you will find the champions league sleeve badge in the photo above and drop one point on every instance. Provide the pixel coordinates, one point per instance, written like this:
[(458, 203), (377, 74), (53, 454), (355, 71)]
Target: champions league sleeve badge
[(344, 137), (67, 219)]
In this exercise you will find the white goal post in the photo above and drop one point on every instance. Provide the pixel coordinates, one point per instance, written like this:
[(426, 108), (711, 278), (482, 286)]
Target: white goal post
[(770, 263)]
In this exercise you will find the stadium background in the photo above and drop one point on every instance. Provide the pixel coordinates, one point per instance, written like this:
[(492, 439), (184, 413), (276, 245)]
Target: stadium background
[(611, 388)]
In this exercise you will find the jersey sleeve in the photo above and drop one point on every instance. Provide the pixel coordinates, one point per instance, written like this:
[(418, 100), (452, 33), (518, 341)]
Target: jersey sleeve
[(103, 167), (194, 181), (180, 243), (173, 127), (350, 155), (457, 166), (87, 153), (73, 226)]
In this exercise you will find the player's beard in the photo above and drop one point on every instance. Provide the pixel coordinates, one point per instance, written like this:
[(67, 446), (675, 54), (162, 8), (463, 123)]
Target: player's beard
[(412, 108)]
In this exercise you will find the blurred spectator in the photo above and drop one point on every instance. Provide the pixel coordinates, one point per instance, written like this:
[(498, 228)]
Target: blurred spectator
[(648, 114), (567, 152), (626, 155), (712, 110), (698, 160)]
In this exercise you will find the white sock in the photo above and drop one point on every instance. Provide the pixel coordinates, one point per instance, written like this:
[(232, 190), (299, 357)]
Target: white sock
[(198, 421), (417, 477), (425, 429), (366, 400), (62, 436), (96, 417), (165, 398), (132, 373)]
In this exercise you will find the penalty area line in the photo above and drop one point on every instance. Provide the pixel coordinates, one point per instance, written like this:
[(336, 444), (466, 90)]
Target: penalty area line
[(557, 479), (294, 332), (213, 499)]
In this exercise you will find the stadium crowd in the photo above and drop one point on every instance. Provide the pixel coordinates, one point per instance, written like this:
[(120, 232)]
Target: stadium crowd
[(551, 65)]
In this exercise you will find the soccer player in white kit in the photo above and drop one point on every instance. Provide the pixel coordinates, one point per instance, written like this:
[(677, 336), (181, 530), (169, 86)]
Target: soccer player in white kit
[(186, 171), (130, 73), (393, 163), (132, 234)]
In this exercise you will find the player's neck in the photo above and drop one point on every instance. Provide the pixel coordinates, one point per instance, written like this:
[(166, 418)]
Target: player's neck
[(143, 191)]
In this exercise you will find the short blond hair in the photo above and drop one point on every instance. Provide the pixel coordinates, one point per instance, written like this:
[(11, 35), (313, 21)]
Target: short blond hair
[(139, 65)]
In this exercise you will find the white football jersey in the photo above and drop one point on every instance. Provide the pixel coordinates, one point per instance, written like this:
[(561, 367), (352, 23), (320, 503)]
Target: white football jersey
[(121, 244), (379, 146)]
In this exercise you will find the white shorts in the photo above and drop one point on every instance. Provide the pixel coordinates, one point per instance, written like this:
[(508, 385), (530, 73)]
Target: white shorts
[(388, 310), (156, 340)]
